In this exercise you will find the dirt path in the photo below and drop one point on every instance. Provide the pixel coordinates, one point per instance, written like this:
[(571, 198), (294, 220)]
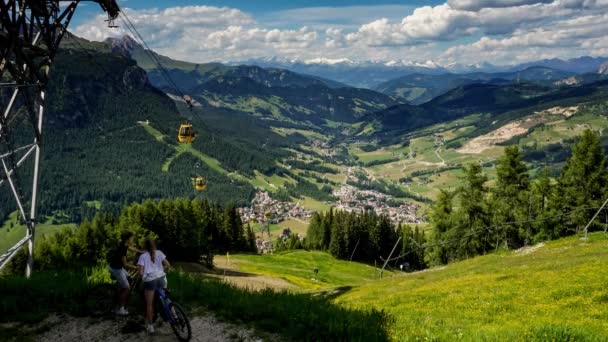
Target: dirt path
[(229, 272), (438, 156), (204, 328)]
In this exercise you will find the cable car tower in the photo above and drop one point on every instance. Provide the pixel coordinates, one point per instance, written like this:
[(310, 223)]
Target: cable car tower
[(30, 34)]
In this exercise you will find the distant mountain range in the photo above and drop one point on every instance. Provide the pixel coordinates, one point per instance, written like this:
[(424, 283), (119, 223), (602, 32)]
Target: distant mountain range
[(419, 88), (370, 74)]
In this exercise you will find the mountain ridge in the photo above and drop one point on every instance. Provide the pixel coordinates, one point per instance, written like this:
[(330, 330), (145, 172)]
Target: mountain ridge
[(419, 88), (370, 74)]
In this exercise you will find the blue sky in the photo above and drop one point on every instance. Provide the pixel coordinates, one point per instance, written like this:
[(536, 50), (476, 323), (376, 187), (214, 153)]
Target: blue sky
[(406, 32), (261, 9), (268, 5)]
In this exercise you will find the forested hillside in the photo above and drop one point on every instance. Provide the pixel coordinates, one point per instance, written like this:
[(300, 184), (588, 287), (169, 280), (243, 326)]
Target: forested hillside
[(98, 150), (274, 93)]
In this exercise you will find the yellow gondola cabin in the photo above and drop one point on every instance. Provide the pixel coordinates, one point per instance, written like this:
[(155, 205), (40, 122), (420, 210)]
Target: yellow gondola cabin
[(199, 183), (185, 135)]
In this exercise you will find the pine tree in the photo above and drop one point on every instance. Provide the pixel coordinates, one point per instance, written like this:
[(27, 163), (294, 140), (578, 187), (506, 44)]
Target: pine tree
[(251, 244), (315, 232), (328, 221), (233, 228), (582, 183), (471, 218), (442, 220), (541, 191), (511, 198), (337, 244)]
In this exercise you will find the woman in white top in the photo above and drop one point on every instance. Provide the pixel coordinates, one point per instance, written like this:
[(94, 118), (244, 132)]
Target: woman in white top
[(152, 265)]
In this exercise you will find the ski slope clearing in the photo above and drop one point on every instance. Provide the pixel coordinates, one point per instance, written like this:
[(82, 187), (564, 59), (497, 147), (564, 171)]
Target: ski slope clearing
[(554, 292)]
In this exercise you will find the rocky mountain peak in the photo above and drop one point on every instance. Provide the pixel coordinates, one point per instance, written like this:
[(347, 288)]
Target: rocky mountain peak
[(122, 46), (603, 70)]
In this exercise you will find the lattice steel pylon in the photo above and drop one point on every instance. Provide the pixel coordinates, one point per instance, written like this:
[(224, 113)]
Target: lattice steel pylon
[(30, 34)]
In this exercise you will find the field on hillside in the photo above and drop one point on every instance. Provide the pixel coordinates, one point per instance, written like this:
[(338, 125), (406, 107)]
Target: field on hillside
[(434, 157), (12, 232), (296, 267), (552, 292)]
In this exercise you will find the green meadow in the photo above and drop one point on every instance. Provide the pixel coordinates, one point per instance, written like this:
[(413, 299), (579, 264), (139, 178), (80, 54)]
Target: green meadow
[(555, 292)]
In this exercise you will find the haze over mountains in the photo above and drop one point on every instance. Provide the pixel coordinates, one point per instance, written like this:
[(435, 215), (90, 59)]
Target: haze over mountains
[(370, 74)]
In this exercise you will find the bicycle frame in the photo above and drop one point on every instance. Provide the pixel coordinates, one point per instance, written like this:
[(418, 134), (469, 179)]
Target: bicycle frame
[(165, 302)]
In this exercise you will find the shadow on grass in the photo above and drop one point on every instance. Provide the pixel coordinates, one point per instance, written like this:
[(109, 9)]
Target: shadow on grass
[(194, 268), (333, 293), (296, 316)]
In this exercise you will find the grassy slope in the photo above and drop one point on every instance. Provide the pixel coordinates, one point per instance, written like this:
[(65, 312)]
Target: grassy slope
[(184, 148), (10, 236), (557, 292), (297, 268)]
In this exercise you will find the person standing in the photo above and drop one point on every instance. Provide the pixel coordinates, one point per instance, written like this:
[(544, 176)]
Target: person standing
[(118, 266), (152, 265)]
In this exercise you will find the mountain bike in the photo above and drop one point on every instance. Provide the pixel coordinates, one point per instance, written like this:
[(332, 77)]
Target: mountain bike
[(174, 314)]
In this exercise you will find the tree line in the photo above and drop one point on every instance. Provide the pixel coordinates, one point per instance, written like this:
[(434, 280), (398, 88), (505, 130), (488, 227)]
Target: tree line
[(187, 230), (365, 237)]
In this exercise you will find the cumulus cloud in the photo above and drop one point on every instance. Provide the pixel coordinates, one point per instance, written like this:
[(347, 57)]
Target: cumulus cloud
[(335, 38), (161, 25), (578, 35), (445, 22), (202, 33), (476, 5), (466, 31)]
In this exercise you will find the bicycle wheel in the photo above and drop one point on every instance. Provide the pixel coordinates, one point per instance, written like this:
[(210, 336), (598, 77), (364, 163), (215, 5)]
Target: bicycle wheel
[(180, 323), (100, 300)]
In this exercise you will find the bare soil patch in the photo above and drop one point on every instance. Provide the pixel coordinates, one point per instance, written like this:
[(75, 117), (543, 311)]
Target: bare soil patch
[(519, 127), (229, 272)]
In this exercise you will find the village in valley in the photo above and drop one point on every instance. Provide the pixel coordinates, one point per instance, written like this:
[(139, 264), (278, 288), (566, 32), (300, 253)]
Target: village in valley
[(266, 211), (352, 199)]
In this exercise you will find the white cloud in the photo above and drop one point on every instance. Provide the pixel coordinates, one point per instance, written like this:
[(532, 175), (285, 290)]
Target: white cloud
[(444, 22), (203, 33), (504, 23), (159, 25), (342, 17), (567, 38), (476, 5), (464, 31)]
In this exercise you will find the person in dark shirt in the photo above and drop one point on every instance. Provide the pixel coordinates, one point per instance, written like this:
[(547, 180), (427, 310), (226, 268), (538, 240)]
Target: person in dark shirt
[(118, 263)]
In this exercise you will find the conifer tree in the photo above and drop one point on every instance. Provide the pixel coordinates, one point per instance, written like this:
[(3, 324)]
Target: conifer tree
[(472, 215), (582, 183), (442, 220), (511, 199), (328, 221), (541, 192), (315, 232)]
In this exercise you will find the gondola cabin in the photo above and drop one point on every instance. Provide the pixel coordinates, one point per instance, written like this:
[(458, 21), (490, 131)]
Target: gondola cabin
[(199, 183), (185, 135)]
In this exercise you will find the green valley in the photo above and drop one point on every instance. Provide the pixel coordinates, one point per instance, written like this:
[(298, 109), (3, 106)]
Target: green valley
[(441, 202)]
